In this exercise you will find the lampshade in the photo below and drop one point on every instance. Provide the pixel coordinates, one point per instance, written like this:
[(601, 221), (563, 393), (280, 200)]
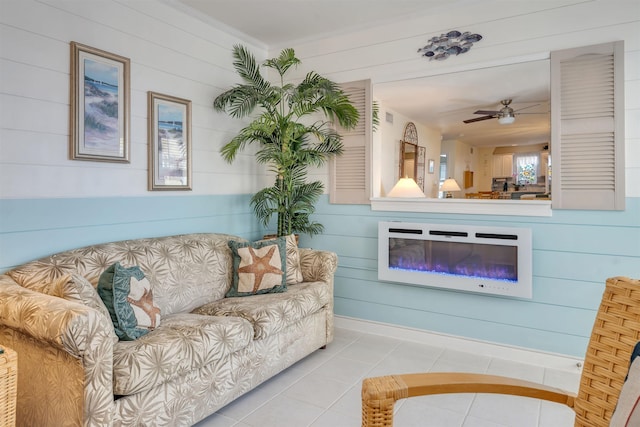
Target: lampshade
[(448, 186), (406, 187), (506, 120)]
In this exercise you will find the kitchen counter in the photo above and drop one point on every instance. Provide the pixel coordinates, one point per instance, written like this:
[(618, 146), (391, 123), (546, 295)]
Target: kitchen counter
[(518, 194)]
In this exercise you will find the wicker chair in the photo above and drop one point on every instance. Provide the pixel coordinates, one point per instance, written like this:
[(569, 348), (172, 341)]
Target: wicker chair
[(615, 332)]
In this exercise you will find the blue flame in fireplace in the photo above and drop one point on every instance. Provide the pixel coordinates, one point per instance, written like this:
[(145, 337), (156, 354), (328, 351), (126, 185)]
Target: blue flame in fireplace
[(456, 259)]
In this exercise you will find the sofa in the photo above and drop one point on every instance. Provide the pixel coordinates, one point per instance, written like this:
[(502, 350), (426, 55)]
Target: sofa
[(207, 350)]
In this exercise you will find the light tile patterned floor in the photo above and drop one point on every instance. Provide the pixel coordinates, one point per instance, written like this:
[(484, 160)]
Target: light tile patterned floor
[(323, 390)]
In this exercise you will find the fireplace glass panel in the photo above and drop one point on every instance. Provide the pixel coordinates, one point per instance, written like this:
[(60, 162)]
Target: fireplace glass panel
[(475, 260)]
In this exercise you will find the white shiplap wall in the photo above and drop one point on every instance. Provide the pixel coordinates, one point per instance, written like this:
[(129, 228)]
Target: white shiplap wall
[(170, 52)]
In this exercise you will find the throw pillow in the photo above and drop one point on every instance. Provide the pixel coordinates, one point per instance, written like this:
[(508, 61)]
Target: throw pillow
[(258, 267), (129, 298), (294, 272), (627, 413)]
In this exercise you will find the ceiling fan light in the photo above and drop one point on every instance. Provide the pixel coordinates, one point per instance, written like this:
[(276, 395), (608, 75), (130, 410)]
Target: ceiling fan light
[(506, 120)]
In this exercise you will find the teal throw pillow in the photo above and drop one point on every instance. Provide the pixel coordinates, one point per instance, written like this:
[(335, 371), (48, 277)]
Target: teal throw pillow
[(128, 296), (258, 267)]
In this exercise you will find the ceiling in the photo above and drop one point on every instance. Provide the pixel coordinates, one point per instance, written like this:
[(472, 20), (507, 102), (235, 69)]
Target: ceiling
[(278, 22), (440, 102), (444, 101)]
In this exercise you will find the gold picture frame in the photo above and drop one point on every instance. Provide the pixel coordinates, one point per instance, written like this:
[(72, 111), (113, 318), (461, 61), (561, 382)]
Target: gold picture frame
[(99, 105), (169, 134)]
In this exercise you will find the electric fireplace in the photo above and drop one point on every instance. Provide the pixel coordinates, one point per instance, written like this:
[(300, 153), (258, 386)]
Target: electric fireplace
[(489, 260)]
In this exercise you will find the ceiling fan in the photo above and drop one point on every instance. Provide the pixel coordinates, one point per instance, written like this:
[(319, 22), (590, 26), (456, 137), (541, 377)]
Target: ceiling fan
[(506, 115)]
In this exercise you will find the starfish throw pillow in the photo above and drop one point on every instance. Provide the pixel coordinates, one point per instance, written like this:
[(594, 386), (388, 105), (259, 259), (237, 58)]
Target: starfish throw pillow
[(258, 267), (128, 296)]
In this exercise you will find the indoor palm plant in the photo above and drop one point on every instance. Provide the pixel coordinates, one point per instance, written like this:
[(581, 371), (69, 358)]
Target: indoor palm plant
[(290, 136)]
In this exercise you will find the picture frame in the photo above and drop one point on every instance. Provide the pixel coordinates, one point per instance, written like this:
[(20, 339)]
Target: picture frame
[(99, 105), (169, 135), (432, 164)]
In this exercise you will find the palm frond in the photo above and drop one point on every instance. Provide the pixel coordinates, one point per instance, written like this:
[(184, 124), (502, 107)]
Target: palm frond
[(238, 101), (339, 108), (283, 62), (246, 66), (265, 205), (375, 119), (259, 131)]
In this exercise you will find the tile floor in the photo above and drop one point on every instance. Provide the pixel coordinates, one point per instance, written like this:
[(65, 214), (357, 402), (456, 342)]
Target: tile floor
[(323, 390)]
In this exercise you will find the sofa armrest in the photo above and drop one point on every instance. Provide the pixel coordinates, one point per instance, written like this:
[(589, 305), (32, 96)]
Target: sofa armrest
[(320, 266), (66, 325), (317, 265), (379, 394), (43, 321)]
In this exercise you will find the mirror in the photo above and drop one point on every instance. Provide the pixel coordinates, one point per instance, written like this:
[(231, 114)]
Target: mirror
[(408, 160)]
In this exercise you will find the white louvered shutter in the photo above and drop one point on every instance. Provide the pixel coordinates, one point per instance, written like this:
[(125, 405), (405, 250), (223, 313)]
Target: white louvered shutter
[(587, 127), (349, 174), (350, 177)]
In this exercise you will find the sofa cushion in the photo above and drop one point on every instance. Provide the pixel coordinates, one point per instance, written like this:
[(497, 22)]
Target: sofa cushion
[(294, 272), (258, 267), (183, 343), (271, 313), (128, 296)]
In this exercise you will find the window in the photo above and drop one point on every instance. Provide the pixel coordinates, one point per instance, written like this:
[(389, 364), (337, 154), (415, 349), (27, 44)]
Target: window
[(527, 168)]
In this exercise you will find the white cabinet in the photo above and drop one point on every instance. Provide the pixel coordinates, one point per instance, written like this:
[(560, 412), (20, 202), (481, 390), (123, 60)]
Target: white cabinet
[(502, 165)]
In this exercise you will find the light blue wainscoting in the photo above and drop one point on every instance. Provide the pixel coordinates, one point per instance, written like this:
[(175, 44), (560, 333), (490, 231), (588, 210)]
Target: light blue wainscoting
[(30, 229), (574, 252)]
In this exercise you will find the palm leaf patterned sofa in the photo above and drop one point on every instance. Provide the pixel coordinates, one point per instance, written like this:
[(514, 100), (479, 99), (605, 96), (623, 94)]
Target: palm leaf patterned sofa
[(207, 350)]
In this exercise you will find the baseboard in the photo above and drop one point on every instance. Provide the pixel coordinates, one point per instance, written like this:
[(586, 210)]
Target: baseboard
[(483, 348)]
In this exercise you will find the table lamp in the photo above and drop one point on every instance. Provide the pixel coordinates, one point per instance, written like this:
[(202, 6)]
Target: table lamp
[(448, 186), (406, 187)]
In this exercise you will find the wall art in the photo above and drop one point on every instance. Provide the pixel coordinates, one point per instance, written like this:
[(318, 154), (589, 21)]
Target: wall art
[(100, 106), (169, 142)]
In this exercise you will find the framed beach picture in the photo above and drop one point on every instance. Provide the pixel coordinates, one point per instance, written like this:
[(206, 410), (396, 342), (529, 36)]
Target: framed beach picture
[(431, 166), (99, 117), (169, 142)]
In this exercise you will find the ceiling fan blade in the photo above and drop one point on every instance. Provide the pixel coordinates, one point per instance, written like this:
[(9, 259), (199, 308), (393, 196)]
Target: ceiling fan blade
[(479, 119), (486, 112)]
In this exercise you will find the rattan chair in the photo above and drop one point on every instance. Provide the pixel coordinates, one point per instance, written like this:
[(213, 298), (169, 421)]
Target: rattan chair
[(615, 332)]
